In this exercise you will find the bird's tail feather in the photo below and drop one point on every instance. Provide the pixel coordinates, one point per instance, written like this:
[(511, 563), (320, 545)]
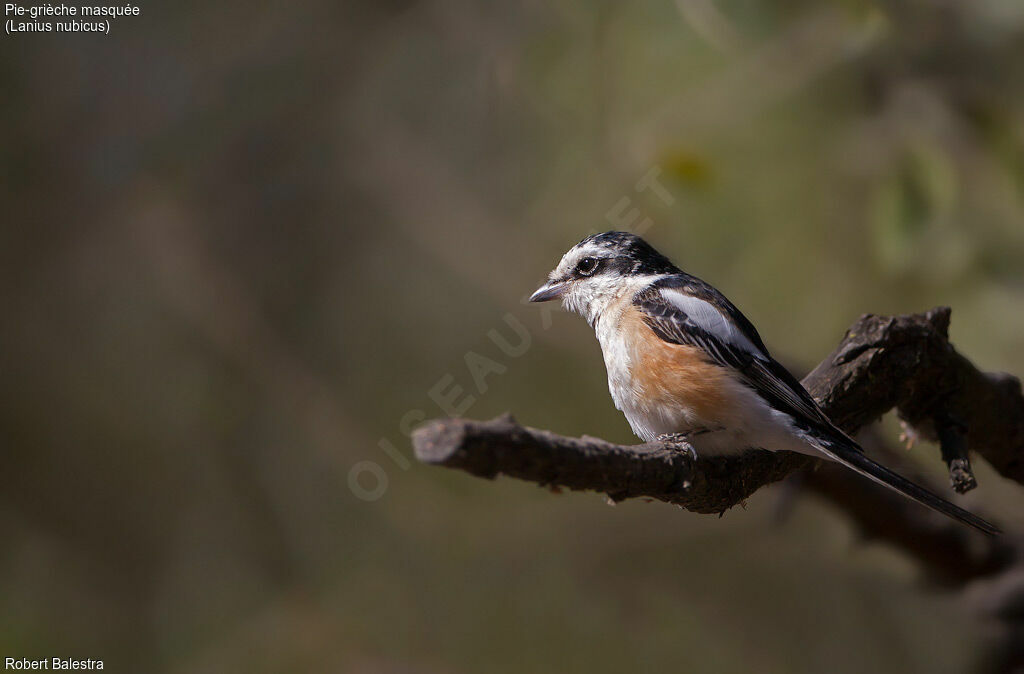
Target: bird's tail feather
[(848, 453)]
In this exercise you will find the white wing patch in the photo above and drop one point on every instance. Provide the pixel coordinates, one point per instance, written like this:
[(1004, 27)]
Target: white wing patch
[(707, 317)]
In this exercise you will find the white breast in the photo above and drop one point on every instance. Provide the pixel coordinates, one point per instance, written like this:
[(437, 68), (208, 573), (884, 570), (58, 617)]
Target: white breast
[(618, 352)]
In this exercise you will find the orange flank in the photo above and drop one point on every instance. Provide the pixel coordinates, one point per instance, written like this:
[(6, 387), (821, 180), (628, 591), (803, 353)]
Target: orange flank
[(676, 376)]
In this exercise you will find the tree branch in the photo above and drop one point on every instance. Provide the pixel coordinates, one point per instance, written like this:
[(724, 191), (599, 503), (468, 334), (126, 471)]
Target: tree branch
[(903, 362)]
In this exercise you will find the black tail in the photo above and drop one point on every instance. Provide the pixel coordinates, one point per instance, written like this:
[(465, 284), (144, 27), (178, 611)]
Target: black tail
[(848, 453)]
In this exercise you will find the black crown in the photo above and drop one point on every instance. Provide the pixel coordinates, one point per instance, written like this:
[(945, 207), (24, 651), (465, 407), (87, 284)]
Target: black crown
[(645, 260)]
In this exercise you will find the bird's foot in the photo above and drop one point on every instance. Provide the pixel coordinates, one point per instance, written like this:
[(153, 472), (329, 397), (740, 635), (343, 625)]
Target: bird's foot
[(682, 439)]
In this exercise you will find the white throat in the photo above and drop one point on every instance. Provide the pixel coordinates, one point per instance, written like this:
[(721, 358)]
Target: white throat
[(602, 296)]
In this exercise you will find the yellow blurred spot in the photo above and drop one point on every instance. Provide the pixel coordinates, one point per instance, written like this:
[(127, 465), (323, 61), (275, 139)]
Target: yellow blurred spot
[(688, 168)]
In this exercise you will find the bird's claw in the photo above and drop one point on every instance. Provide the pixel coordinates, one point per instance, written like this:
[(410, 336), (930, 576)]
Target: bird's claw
[(680, 439)]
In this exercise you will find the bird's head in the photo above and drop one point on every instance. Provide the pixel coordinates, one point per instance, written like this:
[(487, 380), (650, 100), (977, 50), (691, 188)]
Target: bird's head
[(600, 269)]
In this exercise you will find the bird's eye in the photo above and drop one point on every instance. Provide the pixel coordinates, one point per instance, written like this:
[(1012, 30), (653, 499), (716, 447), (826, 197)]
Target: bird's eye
[(587, 266)]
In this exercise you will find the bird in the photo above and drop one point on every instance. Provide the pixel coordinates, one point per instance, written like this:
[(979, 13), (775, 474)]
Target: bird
[(684, 363)]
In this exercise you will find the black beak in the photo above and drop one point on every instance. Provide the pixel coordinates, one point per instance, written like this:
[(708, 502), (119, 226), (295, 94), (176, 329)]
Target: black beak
[(549, 291)]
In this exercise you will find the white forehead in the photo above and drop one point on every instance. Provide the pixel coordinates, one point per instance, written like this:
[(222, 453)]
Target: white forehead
[(577, 253)]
